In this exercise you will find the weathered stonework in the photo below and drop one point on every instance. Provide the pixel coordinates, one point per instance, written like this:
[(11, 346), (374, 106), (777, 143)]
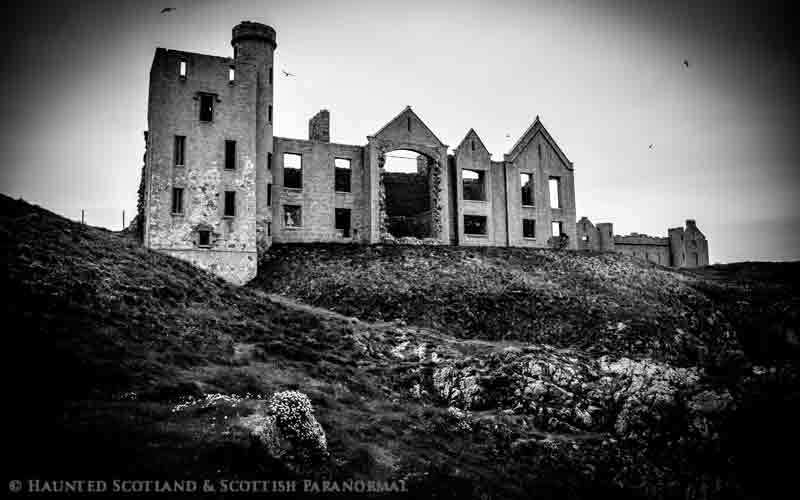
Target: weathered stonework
[(682, 248), (240, 90)]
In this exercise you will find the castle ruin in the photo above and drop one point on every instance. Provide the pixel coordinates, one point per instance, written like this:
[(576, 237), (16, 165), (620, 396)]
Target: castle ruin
[(219, 188)]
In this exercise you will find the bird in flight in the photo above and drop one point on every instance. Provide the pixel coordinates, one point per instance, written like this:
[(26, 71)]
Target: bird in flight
[(286, 73), (167, 9), (686, 62), (650, 147)]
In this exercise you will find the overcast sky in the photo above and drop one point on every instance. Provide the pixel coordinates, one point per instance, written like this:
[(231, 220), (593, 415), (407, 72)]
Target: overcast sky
[(606, 78)]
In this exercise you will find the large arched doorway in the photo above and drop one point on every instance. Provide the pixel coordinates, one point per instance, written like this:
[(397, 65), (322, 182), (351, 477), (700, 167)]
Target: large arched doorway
[(406, 182)]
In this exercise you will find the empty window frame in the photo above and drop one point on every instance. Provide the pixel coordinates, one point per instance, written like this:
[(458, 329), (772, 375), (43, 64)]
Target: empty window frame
[(206, 107), (231, 74), (269, 195), (528, 228), (292, 170), (230, 155), (269, 113), (177, 201), (269, 228), (204, 238), (269, 161), (473, 185), (179, 153), (342, 216), (554, 184), (183, 67), (526, 183), (475, 225), (230, 204), (557, 228), (292, 216), (342, 176), (270, 75)]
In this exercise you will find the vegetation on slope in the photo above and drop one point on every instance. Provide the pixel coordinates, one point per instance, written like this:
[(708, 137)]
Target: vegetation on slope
[(108, 340)]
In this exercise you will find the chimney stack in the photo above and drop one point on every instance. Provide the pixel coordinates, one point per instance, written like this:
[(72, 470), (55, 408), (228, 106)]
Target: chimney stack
[(319, 127)]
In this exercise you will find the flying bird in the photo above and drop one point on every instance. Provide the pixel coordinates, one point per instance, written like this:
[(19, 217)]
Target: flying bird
[(650, 147), (686, 62), (167, 9), (286, 73), (508, 136)]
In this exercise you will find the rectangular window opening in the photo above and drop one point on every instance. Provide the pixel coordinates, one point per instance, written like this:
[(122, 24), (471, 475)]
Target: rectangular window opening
[(556, 228), (528, 228), (270, 75), (177, 201), (269, 111), (341, 175), (269, 228), (230, 155), (475, 225), (526, 181), (292, 216), (292, 170), (206, 107), (269, 161), (473, 185), (342, 216), (204, 238), (182, 68), (269, 195), (180, 150), (231, 74), (230, 204), (555, 191)]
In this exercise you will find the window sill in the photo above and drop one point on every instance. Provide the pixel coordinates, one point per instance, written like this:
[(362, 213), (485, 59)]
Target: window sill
[(293, 189), (343, 192), (179, 166), (476, 235), (293, 228), (228, 217), (176, 214), (528, 206), (476, 201), (529, 238)]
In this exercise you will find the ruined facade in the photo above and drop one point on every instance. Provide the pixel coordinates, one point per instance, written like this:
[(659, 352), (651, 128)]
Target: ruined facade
[(682, 247), (220, 188)]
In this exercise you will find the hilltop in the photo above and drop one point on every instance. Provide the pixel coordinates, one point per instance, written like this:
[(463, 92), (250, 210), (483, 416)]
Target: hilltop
[(467, 373)]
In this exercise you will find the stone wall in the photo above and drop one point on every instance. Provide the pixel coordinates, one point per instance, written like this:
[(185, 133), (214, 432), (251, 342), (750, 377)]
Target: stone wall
[(682, 248), (651, 248), (539, 158), (472, 155), (318, 197), (173, 109)]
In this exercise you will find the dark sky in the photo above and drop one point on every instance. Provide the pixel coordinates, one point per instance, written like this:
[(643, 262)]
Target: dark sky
[(607, 79)]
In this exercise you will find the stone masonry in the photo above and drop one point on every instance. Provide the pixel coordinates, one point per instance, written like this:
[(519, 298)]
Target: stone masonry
[(220, 188), (683, 247)]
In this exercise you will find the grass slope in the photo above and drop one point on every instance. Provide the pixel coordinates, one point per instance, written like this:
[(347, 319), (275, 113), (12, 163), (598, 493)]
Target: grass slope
[(105, 339)]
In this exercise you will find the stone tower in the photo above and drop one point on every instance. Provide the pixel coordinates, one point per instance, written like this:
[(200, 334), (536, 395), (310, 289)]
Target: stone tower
[(208, 154), (254, 46)]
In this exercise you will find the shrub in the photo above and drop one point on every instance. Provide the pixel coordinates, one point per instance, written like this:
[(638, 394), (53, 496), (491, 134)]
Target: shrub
[(295, 417), (558, 242)]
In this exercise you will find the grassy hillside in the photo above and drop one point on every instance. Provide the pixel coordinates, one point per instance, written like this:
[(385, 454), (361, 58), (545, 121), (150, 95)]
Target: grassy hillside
[(626, 385), (602, 303)]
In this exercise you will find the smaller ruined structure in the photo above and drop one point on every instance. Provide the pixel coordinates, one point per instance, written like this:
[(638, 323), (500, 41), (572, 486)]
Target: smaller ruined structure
[(682, 247)]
